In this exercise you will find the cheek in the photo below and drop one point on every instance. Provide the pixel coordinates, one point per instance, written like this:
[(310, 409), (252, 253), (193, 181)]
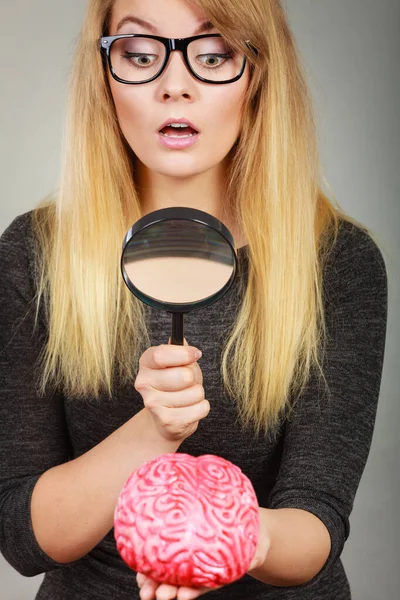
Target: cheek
[(223, 115), (132, 111), (224, 107), (129, 114)]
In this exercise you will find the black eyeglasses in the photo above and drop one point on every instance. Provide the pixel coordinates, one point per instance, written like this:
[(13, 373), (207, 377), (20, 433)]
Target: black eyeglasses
[(136, 58)]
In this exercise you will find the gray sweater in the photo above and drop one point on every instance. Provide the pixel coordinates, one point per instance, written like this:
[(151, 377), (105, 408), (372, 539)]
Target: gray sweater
[(314, 464)]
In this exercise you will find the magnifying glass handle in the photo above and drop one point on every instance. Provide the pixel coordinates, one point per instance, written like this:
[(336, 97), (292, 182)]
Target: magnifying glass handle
[(177, 329)]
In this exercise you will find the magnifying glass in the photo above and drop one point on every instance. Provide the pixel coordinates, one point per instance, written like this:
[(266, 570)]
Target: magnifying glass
[(179, 259)]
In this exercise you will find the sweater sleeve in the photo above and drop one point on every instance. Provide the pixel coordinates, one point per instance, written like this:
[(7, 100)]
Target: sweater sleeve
[(33, 432), (328, 434)]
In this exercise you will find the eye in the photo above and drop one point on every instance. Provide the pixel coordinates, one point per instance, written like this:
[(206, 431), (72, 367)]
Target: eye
[(140, 60), (213, 61)]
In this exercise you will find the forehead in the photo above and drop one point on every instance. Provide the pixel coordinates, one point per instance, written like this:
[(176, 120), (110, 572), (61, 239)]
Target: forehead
[(171, 18)]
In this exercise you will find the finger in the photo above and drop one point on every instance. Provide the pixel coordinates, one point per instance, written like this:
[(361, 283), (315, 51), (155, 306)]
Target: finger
[(166, 592), (148, 590), (197, 375), (182, 415), (194, 365), (140, 579), (157, 357), (185, 343), (162, 402), (196, 368), (186, 593), (171, 379), (198, 372)]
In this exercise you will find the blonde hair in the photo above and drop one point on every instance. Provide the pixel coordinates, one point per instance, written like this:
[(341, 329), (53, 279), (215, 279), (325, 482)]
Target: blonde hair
[(97, 329)]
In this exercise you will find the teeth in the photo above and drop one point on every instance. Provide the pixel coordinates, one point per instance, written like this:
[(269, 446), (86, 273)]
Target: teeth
[(178, 126), (177, 136)]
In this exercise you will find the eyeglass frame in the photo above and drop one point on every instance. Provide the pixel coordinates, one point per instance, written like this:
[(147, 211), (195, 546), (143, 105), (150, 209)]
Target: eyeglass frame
[(171, 44)]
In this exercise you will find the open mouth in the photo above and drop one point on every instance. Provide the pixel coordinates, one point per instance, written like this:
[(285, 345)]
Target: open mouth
[(178, 131)]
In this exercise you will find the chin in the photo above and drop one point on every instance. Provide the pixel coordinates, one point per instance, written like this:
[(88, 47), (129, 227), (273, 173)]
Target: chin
[(180, 168), (179, 173)]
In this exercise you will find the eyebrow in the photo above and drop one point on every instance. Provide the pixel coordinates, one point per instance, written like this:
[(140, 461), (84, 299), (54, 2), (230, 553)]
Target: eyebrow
[(204, 27)]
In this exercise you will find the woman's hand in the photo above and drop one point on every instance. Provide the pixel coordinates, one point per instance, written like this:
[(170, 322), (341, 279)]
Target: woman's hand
[(171, 384), (152, 590)]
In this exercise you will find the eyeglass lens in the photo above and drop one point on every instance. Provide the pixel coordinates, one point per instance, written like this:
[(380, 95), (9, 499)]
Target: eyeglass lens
[(140, 59)]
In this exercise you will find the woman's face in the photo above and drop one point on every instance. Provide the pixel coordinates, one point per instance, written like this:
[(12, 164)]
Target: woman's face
[(214, 110)]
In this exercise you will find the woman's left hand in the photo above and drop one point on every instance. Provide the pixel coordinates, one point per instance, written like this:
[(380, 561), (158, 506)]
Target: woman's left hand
[(152, 590)]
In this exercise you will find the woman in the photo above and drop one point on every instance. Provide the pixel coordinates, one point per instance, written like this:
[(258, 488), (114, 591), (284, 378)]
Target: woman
[(292, 355)]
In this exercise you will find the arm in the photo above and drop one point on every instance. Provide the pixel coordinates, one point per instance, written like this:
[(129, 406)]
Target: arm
[(299, 546), (73, 504), (327, 438), (52, 510)]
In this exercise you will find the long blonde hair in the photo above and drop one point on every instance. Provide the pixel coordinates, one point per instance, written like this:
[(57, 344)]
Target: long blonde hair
[(97, 329)]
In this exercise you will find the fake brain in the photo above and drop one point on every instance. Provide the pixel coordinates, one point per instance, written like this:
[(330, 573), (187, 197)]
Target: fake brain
[(188, 521)]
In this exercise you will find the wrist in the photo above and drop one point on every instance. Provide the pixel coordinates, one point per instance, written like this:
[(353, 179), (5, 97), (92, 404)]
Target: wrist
[(263, 543), (152, 437), (299, 546)]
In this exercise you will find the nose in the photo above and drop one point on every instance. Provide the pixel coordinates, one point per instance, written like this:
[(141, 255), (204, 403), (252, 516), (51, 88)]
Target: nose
[(177, 81)]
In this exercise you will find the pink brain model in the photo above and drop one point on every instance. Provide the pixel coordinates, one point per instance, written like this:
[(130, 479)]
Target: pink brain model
[(188, 521)]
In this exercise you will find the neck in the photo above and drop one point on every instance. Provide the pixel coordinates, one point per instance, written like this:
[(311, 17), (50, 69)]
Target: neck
[(204, 191)]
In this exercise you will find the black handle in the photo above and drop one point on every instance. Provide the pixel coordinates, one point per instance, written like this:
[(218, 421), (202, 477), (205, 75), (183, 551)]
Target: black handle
[(177, 329)]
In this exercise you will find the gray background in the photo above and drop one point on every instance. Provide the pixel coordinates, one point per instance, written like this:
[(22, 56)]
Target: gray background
[(350, 49)]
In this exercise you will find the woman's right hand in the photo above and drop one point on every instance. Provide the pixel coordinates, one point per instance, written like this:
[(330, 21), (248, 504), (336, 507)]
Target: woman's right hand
[(171, 384)]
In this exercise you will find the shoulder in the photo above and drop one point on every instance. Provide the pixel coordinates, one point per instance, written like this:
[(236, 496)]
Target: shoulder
[(16, 238), (17, 255), (356, 254), (355, 277), (18, 233)]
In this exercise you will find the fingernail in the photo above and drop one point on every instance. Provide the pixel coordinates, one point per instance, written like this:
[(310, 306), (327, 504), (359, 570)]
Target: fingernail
[(198, 354)]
